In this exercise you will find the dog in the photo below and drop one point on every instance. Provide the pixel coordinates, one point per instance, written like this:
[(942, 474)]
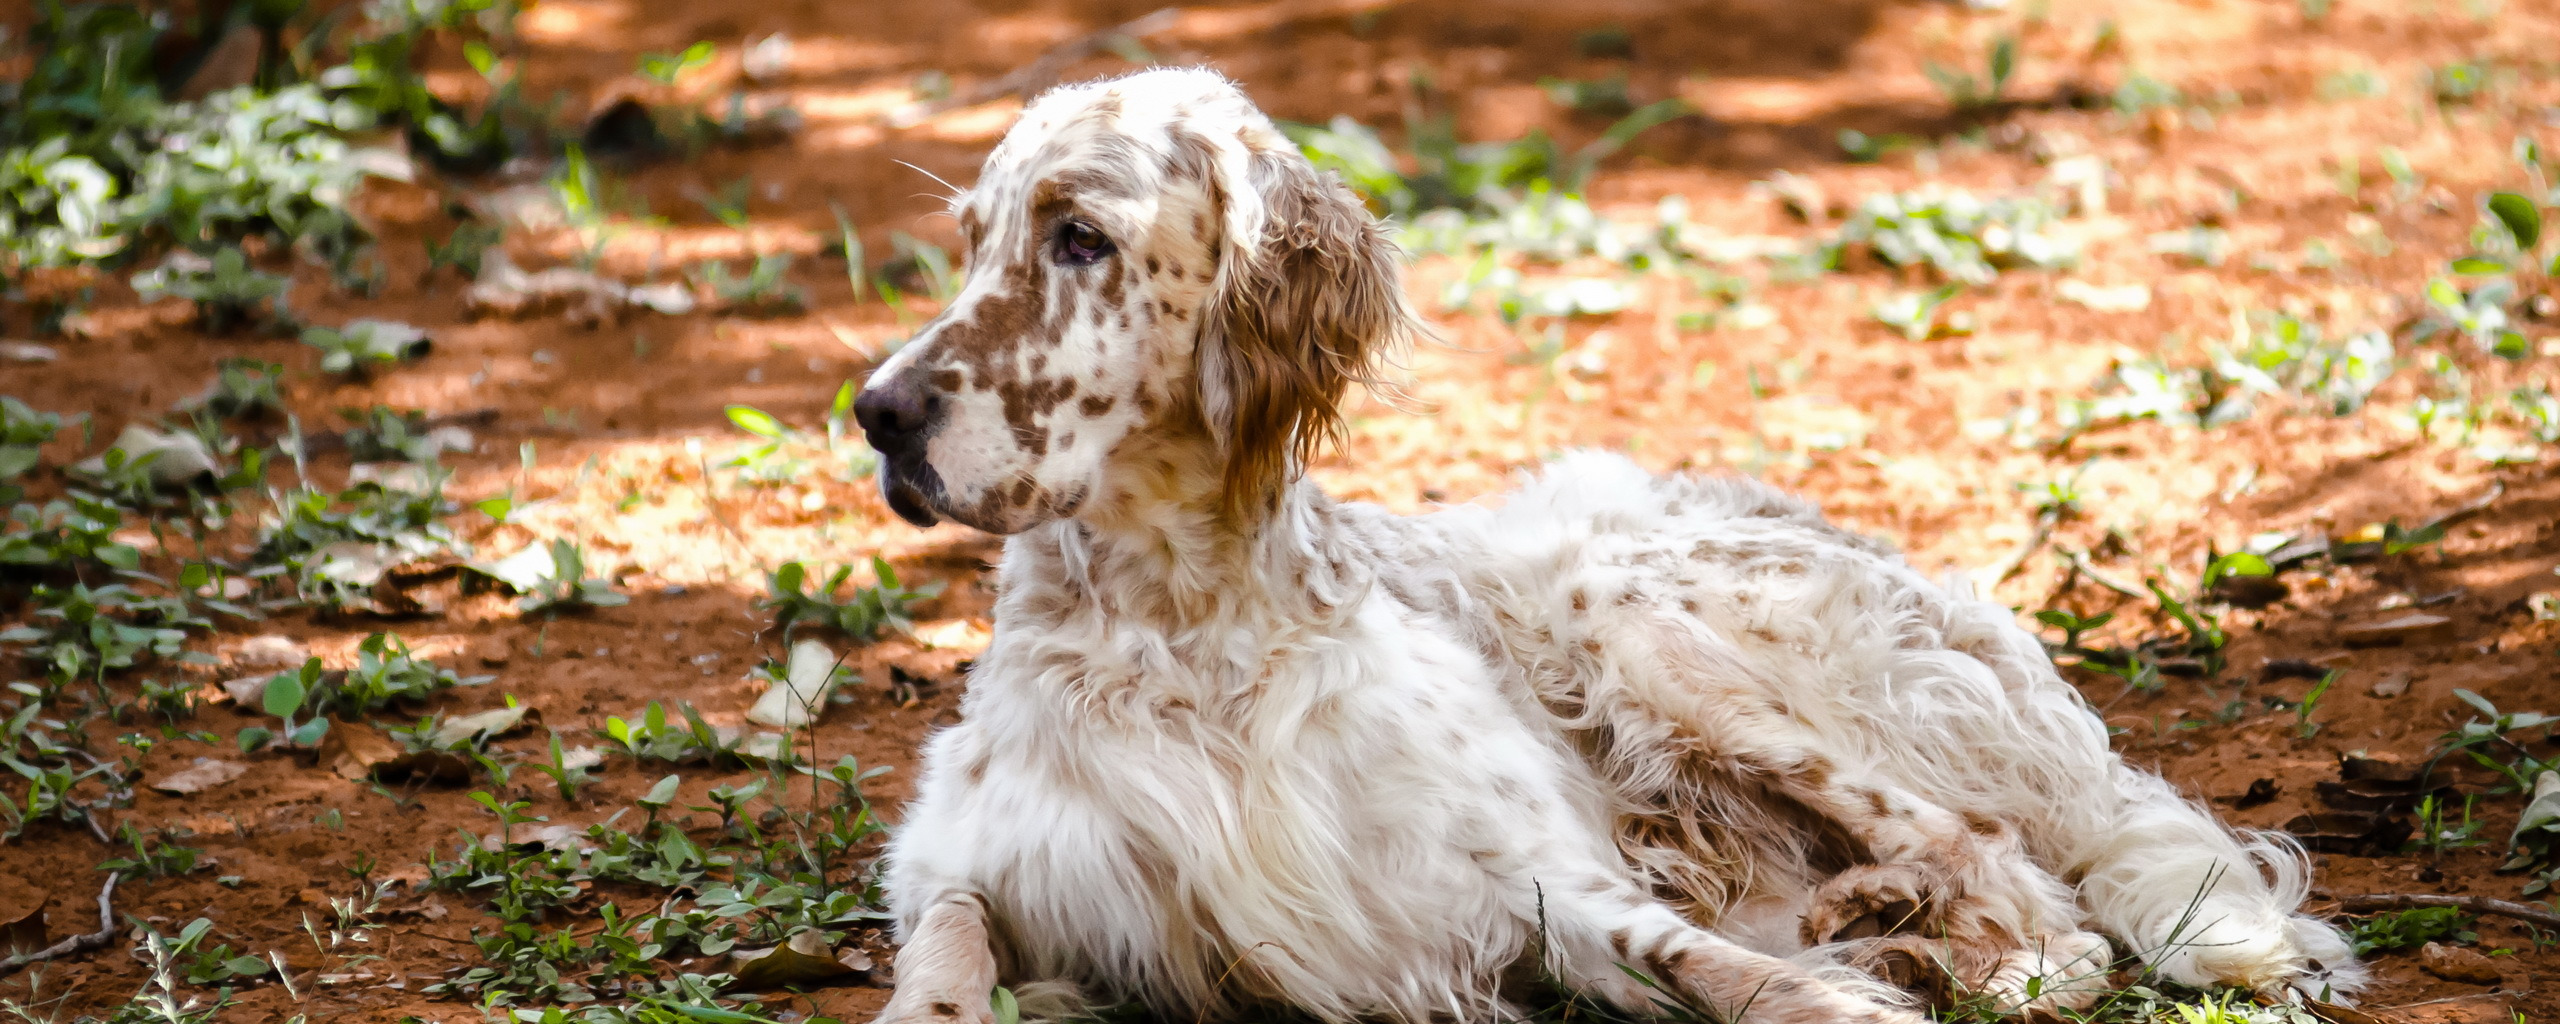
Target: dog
[(1237, 745)]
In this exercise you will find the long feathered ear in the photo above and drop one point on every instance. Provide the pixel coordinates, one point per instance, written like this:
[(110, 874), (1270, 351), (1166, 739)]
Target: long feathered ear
[(1305, 304)]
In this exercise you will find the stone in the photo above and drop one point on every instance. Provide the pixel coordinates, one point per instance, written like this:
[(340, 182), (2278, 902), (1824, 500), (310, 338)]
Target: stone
[(2454, 963)]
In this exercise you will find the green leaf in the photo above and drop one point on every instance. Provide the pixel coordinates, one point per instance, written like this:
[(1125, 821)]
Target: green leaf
[(2477, 701), (755, 421), (2478, 265), (2522, 218), (254, 737), (663, 793), (284, 694), (2237, 563), (1007, 1010), (2004, 61)]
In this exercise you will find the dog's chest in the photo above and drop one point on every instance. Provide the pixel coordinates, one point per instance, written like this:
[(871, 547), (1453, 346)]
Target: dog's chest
[(1363, 804)]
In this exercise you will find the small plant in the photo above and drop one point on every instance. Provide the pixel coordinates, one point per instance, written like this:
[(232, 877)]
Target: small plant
[(2303, 727), (665, 68), (23, 434), (565, 586), (762, 291), (287, 696), (382, 433), (154, 855), (387, 674), (565, 772), (334, 547), (2140, 92), (1962, 237), (1969, 93), (2490, 741), (2438, 832), (795, 597), (653, 737), (363, 346), (2285, 355), (242, 389), (1472, 178), (1606, 97), (228, 293), (729, 206), (2409, 929), (1915, 314), (2072, 626), (2459, 82), (464, 248)]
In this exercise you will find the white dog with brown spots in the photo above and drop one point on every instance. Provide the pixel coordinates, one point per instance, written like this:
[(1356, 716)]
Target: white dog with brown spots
[(1236, 744)]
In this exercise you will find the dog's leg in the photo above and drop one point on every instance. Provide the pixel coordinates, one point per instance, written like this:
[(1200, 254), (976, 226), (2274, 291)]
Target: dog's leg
[(947, 969), (1599, 929)]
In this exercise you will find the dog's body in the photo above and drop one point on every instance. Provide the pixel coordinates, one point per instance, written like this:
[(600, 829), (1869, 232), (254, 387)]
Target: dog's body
[(1235, 743)]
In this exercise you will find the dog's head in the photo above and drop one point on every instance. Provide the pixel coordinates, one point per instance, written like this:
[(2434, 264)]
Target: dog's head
[(1151, 265)]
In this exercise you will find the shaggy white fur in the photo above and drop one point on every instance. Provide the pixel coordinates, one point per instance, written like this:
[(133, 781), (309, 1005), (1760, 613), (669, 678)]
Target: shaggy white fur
[(1235, 743)]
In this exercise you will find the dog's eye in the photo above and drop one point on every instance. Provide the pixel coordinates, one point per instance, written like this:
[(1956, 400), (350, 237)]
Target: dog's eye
[(1082, 244)]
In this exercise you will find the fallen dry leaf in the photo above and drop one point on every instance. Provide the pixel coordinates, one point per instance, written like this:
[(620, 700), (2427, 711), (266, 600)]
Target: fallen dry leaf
[(803, 959), (205, 774), (356, 749), (24, 934), (2396, 629), (246, 691), (268, 653), (796, 699), (484, 725)]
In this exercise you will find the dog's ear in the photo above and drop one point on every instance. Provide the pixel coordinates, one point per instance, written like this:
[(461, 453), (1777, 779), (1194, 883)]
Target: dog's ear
[(1305, 303)]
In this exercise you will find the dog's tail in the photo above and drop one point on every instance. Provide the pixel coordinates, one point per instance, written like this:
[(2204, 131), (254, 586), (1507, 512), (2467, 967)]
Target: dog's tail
[(2204, 905)]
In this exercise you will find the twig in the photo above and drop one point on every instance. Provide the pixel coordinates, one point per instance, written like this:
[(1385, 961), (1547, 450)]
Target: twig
[(2080, 563), (1038, 74), (2479, 905), (2000, 571), (78, 943), (2468, 509)]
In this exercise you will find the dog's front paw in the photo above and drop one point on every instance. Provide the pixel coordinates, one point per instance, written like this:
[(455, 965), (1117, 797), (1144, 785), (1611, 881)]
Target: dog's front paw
[(1873, 900), (1841, 1006), (937, 1010)]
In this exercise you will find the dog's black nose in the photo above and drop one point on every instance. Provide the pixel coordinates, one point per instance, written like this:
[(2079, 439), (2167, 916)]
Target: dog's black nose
[(897, 413)]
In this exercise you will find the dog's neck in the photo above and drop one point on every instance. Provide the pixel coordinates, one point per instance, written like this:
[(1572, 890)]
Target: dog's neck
[(1161, 553)]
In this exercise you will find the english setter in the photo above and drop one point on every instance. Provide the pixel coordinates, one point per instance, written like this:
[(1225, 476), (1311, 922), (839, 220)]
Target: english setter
[(1237, 744)]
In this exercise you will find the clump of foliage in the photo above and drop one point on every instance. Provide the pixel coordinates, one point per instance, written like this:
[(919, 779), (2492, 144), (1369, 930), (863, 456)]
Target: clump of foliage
[(2410, 929), (763, 290), (1956, 234), (98, 163), (228, 293), (2286, 355), (795, 596), (333, 545), (1474, 178), (365, 345), (784, 452)]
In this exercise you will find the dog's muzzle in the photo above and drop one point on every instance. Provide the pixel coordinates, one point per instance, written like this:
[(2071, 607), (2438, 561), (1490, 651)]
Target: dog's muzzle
[(898, 416)]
